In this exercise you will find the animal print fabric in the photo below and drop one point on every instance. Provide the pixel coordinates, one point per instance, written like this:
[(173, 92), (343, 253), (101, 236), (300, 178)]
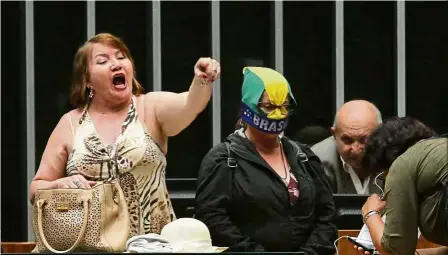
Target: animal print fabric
[(129, 187), (139, 163)]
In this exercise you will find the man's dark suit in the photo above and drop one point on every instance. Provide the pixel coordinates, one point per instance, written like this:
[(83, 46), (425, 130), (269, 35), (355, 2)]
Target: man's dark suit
[(338, 178)]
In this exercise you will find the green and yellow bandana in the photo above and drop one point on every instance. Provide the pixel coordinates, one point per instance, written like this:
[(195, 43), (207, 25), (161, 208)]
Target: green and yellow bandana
[(256, 81)]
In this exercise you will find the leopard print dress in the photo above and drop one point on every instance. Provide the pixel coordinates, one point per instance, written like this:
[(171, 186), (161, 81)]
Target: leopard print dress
[(139, 163)]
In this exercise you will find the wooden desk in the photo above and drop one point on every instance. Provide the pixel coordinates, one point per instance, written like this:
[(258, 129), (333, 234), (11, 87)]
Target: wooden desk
[(17, 247), (346, 248)]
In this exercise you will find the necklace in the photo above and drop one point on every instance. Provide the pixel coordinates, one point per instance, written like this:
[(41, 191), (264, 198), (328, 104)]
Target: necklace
[(283, 158), (283, 161)]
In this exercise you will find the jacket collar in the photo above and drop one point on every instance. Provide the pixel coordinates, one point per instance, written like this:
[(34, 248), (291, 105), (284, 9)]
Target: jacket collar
[(242, 147)]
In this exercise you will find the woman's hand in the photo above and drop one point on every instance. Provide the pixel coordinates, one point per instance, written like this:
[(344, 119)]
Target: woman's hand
[(207, 69), (73, 182), (361, 251), (373, 203)]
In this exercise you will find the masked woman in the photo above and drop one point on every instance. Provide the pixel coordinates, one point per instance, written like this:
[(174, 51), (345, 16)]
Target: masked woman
[(259, 191)]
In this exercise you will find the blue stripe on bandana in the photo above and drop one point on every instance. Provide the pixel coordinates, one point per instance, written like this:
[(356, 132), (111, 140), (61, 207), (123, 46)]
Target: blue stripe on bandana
[(262, 123)]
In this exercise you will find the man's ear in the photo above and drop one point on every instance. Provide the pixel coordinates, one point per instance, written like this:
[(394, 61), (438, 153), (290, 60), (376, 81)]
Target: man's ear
[(333, 131)]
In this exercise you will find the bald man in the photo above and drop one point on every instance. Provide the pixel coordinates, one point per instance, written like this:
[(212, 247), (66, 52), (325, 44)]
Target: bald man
[(341, 154)]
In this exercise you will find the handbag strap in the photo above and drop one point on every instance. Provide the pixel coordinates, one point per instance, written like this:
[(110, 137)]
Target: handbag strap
[(40, 204)]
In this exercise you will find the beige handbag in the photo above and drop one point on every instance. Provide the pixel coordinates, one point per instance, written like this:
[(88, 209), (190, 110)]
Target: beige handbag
[(67, 220)]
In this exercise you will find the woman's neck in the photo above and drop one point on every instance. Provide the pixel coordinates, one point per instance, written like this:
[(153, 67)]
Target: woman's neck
[(263, 142), (105, 107)]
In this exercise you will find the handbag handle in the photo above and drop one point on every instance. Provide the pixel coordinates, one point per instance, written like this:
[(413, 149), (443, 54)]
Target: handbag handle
[(40, 203)]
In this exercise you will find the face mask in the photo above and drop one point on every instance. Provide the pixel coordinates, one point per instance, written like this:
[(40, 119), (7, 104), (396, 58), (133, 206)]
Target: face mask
[(263, 123), (258, 80)]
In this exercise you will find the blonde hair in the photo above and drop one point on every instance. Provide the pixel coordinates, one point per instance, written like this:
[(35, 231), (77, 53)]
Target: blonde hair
[(81, 75)]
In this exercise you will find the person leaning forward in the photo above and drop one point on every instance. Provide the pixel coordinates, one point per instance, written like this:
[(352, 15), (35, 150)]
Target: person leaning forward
[(414, 159)]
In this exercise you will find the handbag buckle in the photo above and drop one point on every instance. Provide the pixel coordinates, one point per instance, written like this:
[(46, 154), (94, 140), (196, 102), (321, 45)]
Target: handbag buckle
[(62, 206)]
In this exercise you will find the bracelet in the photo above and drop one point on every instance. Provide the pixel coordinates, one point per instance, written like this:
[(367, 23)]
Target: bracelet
[(368, 214), (203, 81)]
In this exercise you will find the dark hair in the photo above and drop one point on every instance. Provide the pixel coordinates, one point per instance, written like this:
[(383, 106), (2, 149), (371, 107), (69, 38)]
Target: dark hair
[(391, 139), (240, 123)]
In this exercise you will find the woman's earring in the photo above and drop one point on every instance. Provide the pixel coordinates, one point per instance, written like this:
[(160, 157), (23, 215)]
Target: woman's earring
[(91, 93)]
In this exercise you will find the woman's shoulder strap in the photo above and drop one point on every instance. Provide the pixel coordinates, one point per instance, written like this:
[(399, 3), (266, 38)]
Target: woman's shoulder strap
[(300, 153), (73, 119), (231, 161)]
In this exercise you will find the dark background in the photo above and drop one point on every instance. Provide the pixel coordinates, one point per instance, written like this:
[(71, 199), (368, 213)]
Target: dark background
[(247, 38)]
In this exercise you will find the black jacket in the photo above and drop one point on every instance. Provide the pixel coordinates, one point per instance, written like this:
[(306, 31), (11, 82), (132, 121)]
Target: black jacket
[(247, 208)]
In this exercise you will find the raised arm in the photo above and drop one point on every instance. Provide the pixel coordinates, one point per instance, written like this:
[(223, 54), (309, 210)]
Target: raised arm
[(175, 111)]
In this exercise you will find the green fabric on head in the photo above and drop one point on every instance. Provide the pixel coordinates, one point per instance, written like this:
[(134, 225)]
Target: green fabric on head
[(259, 79), (252, 90)]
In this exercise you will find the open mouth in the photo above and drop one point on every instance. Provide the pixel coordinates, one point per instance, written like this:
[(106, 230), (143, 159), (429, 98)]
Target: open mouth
[(119, 80)]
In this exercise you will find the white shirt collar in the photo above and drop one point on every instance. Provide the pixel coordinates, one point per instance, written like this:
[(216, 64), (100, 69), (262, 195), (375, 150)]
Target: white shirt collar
[(361, 188)]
